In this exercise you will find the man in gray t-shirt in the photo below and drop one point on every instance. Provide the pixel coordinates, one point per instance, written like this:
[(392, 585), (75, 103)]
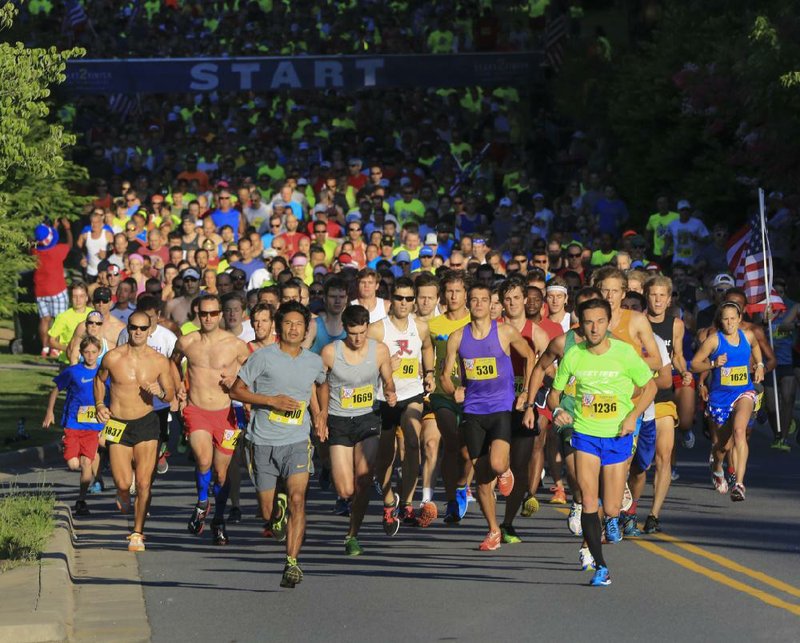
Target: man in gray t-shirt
[(283, 383)]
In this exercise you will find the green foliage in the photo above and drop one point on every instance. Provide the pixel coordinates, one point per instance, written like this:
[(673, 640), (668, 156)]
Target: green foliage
[(34, 175), (26, 524), (704, 108)]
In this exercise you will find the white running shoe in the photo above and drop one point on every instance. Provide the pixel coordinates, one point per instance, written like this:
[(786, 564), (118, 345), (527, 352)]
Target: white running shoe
[(627, 498), (574, 519), (586, 559)]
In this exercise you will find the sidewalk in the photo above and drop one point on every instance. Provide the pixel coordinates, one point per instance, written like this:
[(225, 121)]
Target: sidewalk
[(85, 588)]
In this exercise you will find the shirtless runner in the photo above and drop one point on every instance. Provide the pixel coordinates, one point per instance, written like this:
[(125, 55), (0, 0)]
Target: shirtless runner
[(137, 374), (213, 358)]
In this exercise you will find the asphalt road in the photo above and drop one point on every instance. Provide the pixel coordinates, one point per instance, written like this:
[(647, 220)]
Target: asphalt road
[(720, 571)]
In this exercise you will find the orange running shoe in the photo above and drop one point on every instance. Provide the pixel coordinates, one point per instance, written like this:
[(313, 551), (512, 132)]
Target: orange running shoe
[(559, 497), (505, 483), (427, 514), (491, 542), (136, 542)]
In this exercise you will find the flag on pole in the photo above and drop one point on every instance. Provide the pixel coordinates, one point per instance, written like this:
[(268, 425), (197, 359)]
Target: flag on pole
[(555, 34), (746, 255)]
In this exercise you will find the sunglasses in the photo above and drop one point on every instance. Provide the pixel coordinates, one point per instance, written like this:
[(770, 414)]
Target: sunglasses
[(224, 198), (573, 256), (100, 301), (133, 327), (316, 293), (190, 279), (320, 231), (209, 313), (130, 229), (354, 229), (94, 323), (408, 299)]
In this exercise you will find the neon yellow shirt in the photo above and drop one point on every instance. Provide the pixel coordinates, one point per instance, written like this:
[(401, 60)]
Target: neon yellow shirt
[(441, 328)]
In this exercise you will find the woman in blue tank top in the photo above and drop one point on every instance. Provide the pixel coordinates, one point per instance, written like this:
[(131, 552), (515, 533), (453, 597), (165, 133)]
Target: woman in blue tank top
[(728, 354)]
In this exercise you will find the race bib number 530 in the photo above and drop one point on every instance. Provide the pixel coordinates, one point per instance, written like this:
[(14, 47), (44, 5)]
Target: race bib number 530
[(480, 368)]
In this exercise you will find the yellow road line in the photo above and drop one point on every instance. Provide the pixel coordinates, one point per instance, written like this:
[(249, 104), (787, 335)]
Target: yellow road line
[(763, 596), (722, 561)]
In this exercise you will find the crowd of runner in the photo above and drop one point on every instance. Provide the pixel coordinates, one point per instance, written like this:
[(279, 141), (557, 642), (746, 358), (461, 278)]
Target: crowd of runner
[(396, 340)]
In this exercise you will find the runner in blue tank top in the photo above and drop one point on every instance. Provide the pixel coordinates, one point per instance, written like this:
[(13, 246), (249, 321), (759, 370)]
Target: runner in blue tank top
[(483, 350), (731, 399)]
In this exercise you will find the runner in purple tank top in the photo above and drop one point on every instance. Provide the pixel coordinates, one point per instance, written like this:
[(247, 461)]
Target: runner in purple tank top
[(483, 349)]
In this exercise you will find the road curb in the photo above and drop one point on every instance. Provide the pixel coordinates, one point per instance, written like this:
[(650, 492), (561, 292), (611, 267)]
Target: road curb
[(51, 618), (32, 456)]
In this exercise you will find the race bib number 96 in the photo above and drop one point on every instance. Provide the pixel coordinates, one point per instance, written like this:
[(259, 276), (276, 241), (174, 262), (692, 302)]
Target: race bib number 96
[(408, 369)]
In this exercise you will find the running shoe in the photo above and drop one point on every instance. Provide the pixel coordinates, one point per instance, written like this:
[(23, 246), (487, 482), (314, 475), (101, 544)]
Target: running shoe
[(280, 517), (324, 478), (451, 514), (198, 520), (601, 578), (784, 446), (730, 476), (266, 531), (408, 517), (376, 485), (613, 533), (529, 507), (652, 525), (505, 483), (123, 503), (776, 444), (351, 546), (162, 466), (559, 497), (688, 439), (235, 515), (720, 484), (629, 527), (391, 524), (574, 519), (586, 559), (675, 475), (81, 508), (136, 542), (462, 500), (737, 493), (292, 574), (470, 497), (509, 535), (96, 487), (491, 542), (427, 514), (219, 533), (627, 498), (341, 507)]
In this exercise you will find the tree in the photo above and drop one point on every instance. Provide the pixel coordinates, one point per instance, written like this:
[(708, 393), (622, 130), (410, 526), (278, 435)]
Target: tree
[(704, 106), (34, 174)]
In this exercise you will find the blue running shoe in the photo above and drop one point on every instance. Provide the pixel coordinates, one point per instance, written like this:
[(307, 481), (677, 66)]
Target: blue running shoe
[(96, 487), (601, 577), (613, 533), (629, 527), (451, 514), (462, 500)]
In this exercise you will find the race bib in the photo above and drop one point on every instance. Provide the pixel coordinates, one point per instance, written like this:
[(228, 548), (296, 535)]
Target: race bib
[(292, 418), (357, 398), (113, 431), (481, 368), (519, 384), (733, 376), (230, 438), (408, 369), (599, 407), (87, 415), (570, 388)]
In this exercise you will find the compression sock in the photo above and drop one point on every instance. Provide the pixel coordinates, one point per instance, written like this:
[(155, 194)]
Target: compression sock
[(590, 523), (634, 506), (220, 500), (202, 480), (427, 494)]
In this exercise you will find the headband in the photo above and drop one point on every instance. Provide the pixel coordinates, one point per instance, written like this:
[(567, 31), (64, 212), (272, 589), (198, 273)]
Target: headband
[(557, 288)]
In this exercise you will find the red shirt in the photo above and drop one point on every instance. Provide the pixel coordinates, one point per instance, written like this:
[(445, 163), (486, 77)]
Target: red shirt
[(550, 327), (162, 252), (48, 278), (358, 181), (292, 240)]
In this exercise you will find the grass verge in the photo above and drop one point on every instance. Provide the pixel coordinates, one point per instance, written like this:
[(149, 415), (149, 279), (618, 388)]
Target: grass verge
[(26, 525)]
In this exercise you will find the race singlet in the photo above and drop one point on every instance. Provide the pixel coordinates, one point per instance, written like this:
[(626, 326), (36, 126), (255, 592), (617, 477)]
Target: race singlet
[(481, 368), (408, 369), (292, 418), (113, 430), (87, 415), (599, 407), (734, 376), (358, 398)]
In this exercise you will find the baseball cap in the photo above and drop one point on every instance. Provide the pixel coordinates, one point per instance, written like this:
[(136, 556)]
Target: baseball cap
[(723, 279), (538, 195), (101, 294), (431, 239), (46, 237), (269, 253), (353, 216), (425, 251), (683, 204), (191, 273), (345, 259), (505, 202), (113, 269), (320, 270), (302, 181), (402, 256)]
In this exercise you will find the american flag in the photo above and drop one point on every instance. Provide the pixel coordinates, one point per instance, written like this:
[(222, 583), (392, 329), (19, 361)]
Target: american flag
[(76, 14), (123, 105), (745, 255), (554, 36)]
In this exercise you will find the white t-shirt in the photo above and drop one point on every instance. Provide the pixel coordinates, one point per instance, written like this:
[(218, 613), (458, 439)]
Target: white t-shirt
[(260, 276), (684, 236), (247, 334)]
